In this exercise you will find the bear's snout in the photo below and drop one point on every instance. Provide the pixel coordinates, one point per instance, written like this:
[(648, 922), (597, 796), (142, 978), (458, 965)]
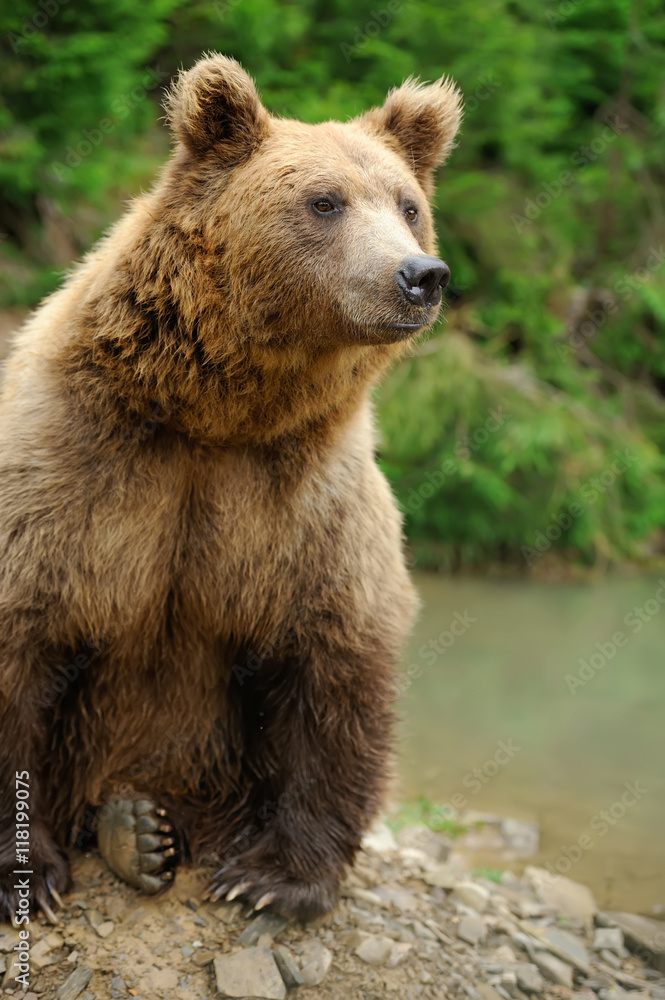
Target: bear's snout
[(420, 280)]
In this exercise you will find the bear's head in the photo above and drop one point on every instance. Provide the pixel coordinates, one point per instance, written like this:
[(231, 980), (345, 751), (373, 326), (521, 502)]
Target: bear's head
[(322, 232)]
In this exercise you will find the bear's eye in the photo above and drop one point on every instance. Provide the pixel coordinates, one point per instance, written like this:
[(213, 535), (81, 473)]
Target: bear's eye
[(322, 205), (411, 214)]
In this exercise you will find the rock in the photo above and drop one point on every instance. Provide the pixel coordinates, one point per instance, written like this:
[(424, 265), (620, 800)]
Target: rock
[(567, 947), (315, 960), (554, 969), (421, 931), (402, 899), (228, 913), (288, 967), (611, 959), (249, 973), (105, 929), (529, 978), (8, 938), (487, 992), (74, 985), (39, 955), (362, 895), (473, 895), (444, 876), (13, 970), (420, 837), (94, 918), (399, 952), (472, 930), (521, 837), (375, 950), (203, 957), (643, 935), (569, 898), (265, 923), (608, 939), (379, 839)]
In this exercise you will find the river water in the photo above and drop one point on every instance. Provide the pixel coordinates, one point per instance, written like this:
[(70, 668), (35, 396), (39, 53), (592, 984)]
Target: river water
[(547, 702)]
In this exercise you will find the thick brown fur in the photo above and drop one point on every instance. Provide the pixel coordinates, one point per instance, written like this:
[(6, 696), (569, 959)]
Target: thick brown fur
[(203, 592)]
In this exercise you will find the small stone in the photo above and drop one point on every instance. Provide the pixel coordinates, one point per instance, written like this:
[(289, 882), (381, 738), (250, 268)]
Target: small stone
[(442, 877), (265, 941), (399, 952), (379, 839), (521, 837), (74, 985), (288, 967), (13, 970), (8, 938), (375, 950), (569, 898), (608, 939), (529, 978), (554, 969), (200, 921), (105, 929), (611, 959), (472, 895), (54, 940), (73, 956), (315, 960), (402, 899), (94, 918), (567, 946), (363, 895), (472, 930), (420, 837), (203, 957), (192, 904), (487, 992), (265, 923), (422, 932), (643, 935), (39, 955), (187, 952), (252, 972), (228, 913)]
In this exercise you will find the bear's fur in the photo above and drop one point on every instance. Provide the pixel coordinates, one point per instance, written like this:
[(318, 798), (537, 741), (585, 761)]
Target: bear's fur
[(203, 592)]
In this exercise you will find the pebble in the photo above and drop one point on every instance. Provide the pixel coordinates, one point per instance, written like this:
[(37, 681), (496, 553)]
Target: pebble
[(642, 934), (252, 972), (288, 967), (379, 839), (566, 896), (420, 837), (554, 969), (315, 960), (568, 946), (399, 952), (528, 977), (472, 930), (608, 939), (375, 950), (473, 895), (74, 985), (105, 929)]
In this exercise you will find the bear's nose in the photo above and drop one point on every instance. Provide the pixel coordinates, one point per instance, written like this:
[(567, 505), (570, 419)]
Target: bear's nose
[(420, 280)]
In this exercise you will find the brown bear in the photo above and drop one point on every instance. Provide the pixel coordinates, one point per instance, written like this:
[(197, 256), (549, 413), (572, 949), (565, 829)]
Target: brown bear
[(203, 592)]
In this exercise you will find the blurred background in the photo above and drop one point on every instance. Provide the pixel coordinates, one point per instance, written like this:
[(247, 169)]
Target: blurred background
[(525, 438)]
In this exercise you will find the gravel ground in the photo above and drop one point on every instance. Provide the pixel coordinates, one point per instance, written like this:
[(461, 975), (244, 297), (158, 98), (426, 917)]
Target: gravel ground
[(412, 922)]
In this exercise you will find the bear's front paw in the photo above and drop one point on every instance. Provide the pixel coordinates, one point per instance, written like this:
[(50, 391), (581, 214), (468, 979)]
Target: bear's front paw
[(270, 885), (38, 887)]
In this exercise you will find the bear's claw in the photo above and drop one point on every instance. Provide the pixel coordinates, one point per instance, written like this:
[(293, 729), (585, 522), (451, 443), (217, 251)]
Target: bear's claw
[(139, 848), (292, 897)]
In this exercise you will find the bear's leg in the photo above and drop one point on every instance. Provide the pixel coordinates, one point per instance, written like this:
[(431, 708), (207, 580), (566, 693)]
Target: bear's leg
[(33, 870), (138, 843), (317, 752)]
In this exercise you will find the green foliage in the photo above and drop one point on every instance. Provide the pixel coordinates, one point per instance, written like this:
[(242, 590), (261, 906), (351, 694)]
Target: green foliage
[(550, 213)]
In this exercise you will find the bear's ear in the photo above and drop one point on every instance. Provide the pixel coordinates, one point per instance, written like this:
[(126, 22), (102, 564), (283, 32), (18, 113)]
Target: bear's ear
[(215, 106), (422, 121)]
